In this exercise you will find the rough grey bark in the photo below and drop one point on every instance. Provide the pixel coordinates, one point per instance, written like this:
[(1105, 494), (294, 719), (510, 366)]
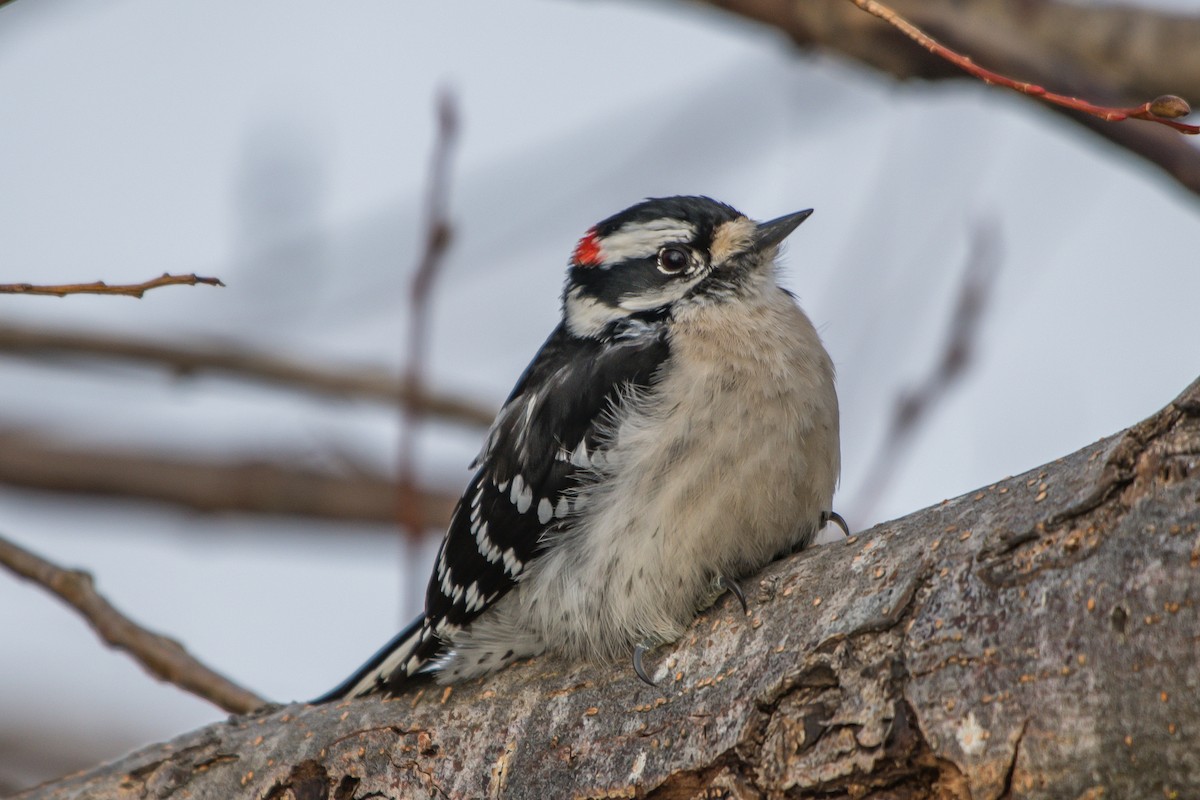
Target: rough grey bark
[(1034, 639)]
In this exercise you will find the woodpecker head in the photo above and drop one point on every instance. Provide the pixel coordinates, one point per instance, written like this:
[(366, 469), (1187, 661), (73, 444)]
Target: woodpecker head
[(663, 251)]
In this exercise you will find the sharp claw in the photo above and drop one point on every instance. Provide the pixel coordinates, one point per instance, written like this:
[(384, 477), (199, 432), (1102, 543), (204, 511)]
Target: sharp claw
[(837, 519), (730, 585), (638, 652)]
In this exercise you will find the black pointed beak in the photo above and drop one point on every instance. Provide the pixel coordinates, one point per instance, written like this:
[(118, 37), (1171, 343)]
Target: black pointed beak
[(775, 231)]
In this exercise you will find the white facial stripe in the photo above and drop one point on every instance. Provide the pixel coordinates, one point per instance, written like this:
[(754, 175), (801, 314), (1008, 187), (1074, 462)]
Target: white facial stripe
[(643, 239), (587, 316), (665, 295)]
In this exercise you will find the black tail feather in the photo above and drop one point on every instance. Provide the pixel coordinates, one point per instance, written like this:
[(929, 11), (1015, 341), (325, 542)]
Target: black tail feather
[(348, 687)]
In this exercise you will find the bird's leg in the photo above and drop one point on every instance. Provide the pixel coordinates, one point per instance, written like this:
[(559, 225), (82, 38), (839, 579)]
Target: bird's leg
[(638, 667), (837, 519), (731, 586)]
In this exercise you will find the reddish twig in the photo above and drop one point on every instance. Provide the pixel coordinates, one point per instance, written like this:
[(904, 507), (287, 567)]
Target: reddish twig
[(438, 235), (100, 287), (164, 658), (1164, 110), (372, 384), (913, 407)]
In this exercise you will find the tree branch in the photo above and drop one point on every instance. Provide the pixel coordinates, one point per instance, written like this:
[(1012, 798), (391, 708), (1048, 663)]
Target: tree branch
[(185, 359), (100, 287), (1164, 109), (1113, 54), (165, 659), (34, 462), (1034, 638), (439, 234)]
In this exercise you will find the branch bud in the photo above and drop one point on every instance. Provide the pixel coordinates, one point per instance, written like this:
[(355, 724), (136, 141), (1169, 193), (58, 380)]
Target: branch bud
[(1170, 106)]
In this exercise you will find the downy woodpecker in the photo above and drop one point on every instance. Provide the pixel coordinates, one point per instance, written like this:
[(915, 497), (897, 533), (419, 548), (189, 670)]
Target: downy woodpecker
[(676, 432)]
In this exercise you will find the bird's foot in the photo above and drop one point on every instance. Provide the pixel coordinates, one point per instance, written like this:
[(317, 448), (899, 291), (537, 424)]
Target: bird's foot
[(638, 667), (837, 519), (731, 586)]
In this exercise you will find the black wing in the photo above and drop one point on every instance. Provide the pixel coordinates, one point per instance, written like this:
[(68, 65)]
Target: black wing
[(536, 453), (538, 450)]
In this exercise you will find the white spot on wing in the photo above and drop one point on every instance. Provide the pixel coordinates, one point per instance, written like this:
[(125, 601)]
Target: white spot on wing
[(563, 508), (474, 601), (545, 511), (512, 564), (521, 495), (580, 457)]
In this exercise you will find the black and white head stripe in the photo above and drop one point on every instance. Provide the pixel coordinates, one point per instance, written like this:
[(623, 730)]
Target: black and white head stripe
[(641, 259), (639, 231)]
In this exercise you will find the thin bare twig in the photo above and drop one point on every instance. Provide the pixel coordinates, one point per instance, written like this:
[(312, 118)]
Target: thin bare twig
[(45, 464), (438, 236), (100, 287), (367, 384), (164, 658), (1164, 110), (914, 406)]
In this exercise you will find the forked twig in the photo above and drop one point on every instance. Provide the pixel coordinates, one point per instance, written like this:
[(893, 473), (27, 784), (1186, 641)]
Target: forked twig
[(100, 287), (164, 658), (1163, 110)]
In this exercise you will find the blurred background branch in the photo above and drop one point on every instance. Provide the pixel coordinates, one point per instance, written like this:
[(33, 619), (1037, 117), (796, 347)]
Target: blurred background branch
[(438, 236), (164, 658), (1109, 54), (33, 461), (234, 360), (915, 406)]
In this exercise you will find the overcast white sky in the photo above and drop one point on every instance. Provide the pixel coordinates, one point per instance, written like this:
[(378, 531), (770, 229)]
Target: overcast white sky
[(284, 146)]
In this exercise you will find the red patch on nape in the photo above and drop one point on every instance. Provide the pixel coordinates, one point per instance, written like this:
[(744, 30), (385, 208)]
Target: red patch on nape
[(587, 252)]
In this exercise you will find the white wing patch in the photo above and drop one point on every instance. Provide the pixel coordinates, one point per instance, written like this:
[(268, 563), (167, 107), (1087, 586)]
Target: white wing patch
[(485, 545), (512, 564), (521, 494)]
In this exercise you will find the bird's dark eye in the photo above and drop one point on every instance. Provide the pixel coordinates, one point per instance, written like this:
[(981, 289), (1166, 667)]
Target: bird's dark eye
[(673, 260)]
